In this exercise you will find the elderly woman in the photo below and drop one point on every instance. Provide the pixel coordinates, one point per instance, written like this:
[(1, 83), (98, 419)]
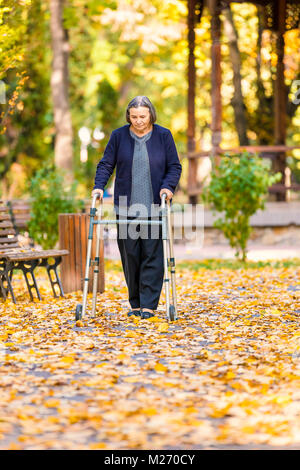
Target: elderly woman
[(147, 166)]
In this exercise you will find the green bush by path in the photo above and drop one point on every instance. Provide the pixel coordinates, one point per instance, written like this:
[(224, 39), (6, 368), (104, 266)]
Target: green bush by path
[(50, 197), (238, 188)]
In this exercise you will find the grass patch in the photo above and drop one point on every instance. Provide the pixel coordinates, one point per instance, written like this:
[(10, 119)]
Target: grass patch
[(112, 265), (214, 263)]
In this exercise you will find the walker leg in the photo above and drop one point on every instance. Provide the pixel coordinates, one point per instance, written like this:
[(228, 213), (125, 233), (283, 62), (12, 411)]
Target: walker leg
[(172, 262), (96, 263), (81, 308), (165, 251)]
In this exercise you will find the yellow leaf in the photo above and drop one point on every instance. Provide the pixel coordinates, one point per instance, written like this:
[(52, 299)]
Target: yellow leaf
[(160, 367), (276, 312), (122, 356), (79, 323), (131, 379), (53, 419), (219, 412), (24, 438), (22, 416), (149, 411), (14, 446), (229, 375), (249, 429), (163, 327), (98, 445), (282, 400), (191, 409), (68, 359), (130, 334), (153, 320), (203, 354), (52, 403)]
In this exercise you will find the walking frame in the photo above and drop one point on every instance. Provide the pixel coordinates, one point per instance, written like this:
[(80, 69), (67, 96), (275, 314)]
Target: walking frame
[(168, 255)]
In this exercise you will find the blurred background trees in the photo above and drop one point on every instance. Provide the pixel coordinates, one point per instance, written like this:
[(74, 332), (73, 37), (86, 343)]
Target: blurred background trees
[(112, 51)]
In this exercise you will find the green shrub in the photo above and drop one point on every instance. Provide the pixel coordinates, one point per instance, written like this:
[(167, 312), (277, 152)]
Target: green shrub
[(238, 188), (49, 198)]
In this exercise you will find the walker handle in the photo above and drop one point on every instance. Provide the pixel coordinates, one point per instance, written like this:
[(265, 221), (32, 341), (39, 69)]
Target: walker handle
[(94, 199), (163, 199)]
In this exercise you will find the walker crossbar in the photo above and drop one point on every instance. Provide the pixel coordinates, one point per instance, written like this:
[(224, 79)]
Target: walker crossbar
[(129, 221), (168, 255)]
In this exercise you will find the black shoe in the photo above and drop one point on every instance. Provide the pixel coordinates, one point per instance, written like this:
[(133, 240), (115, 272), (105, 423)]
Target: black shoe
[(145, 315), (137, 313)]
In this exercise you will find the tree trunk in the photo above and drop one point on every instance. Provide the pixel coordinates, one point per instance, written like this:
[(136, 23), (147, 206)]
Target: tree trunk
[(260, 86), (280, 99), (126, 83), (237, 101), (191, 145), (59, 84), (216, 80), (262, 120)]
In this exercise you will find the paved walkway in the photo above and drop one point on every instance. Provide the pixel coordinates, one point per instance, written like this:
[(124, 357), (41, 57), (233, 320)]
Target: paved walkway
[(276, 214), (191, 252)]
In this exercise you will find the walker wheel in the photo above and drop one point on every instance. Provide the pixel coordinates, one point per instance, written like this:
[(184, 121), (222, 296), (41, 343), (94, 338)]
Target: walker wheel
[(78, 313), (172, 313)]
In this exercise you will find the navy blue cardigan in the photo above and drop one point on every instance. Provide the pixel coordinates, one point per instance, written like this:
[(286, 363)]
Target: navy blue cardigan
[(165, 167)]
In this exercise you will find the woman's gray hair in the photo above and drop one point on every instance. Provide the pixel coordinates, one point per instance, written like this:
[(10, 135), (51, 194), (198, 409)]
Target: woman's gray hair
[(141, 101)]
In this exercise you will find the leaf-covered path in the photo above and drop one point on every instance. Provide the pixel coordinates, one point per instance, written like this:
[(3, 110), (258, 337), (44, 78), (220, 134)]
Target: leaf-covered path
[(227, 373)]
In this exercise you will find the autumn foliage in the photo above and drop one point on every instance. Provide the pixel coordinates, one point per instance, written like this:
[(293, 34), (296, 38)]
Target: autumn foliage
[(226, 373)]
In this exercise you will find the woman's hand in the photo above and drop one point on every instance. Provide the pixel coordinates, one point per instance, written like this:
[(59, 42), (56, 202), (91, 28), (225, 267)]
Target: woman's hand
[(167, 192), (97, 191)]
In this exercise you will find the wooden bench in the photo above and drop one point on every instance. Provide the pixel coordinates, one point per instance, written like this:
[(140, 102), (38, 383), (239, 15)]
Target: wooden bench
[(19, 210), (13, 256)]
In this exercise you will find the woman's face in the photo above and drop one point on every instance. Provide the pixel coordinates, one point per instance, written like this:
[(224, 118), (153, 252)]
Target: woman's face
[(140, 118)]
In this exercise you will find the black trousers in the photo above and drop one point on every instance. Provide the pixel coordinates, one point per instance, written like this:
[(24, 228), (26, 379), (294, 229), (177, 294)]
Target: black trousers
[(141, 251)]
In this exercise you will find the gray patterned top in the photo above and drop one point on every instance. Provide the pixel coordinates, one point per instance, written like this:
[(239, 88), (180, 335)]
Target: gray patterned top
[(141, 192)]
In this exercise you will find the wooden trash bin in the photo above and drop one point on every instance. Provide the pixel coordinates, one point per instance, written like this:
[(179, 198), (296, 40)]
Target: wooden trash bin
[(73, 236)]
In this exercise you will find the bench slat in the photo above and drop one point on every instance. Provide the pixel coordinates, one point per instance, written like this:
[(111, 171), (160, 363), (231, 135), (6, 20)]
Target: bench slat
[(19, 220), (21, 224), (25, 209), (7, 232), (30, 255), (9, 240), (6, 224), (4, 216), (5, 247), (19, 212)]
